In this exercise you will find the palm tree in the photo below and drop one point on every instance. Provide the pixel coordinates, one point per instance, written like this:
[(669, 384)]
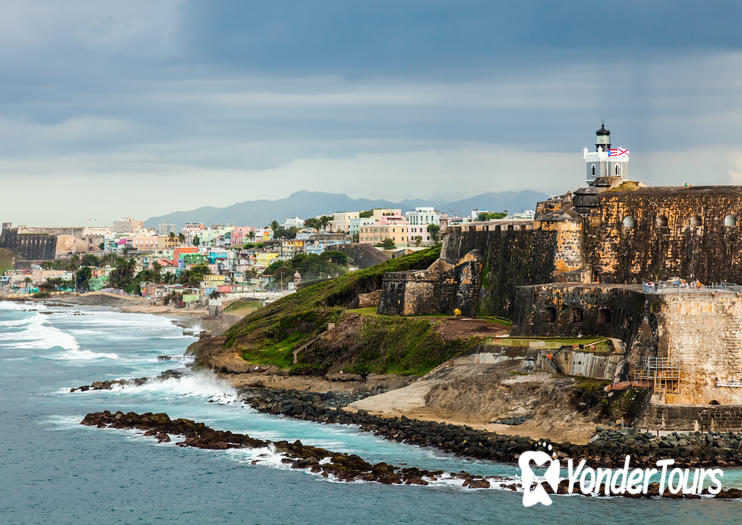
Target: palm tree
[(251, 236)]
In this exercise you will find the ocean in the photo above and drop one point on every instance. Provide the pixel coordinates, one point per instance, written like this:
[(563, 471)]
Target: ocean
[(53, 470)]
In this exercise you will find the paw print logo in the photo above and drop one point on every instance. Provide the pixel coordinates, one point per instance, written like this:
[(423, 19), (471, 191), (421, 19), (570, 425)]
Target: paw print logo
[(533, 490)]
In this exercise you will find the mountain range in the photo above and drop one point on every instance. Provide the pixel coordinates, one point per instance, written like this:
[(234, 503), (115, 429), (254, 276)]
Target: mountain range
[(305, 204)]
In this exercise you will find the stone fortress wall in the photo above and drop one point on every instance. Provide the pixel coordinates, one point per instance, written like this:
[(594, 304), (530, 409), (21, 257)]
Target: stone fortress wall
[(699, 331), (30, 246), (658, 233)]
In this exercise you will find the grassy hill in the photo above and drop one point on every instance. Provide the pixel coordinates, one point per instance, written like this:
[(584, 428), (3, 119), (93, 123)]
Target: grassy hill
[(271, 334), (6, 260)]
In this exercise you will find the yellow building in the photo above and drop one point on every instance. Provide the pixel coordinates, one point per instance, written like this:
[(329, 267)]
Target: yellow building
[(211, 281), (341, 221), (147, 243), (265, 259), (377, 233)]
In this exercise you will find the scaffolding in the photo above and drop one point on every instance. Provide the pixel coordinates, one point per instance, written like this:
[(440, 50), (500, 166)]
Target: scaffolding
[(665, 373)]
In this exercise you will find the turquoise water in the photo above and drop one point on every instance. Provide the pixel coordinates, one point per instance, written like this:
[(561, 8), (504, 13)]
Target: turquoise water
[(57, 471)]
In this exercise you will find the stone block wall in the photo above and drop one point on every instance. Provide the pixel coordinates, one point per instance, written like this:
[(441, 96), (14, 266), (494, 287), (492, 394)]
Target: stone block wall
[(573, 310), (510, 258), (30, 246), (703, 332), (442, 288), (657, 233), (692, 418)]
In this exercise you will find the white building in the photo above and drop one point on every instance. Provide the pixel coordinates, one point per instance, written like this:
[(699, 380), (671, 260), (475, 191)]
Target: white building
[(422, 216), (166, 228), (293, 221)]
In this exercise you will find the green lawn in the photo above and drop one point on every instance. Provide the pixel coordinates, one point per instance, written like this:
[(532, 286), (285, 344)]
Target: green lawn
[(371, 311), (243, 307)]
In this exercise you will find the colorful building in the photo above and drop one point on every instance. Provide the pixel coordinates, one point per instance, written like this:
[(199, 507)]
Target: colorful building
[(397, 232)]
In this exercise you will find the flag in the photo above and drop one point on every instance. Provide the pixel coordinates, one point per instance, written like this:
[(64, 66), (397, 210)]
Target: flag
[(619, 152)]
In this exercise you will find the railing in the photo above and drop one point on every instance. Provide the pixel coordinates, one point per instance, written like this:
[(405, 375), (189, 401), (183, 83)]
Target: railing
[(732, 383), (685, 287)]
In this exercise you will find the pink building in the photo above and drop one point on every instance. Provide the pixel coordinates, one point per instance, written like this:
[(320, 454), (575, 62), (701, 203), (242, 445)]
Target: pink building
[(240, 235)]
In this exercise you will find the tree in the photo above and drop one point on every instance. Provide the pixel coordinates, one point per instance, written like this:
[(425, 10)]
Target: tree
[(336, 257), (388, 244), (251, 236), (82, 279), (89, 260), (434, 230), (312, 222), (485, 216), (366, 214), (196, 241), (291, 232), (324, 221), (194, 276), (157, 271), (418, 240), (123, 275), (102, 246), (181, 238), (356, 237), (27, 281)]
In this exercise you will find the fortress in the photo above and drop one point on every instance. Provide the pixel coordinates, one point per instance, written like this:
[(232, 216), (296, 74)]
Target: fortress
[(592, 263)]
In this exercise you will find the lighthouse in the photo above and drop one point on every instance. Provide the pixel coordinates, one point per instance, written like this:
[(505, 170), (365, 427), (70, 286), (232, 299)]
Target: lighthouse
[(606, 161)]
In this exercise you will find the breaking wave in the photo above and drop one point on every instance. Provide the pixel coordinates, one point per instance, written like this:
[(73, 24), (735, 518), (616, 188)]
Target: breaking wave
[(39, 334), (203, 384)]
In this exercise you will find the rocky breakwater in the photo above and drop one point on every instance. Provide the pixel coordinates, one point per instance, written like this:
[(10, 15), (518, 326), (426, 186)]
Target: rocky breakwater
[(608, 448), (339, 466), (137, 381)]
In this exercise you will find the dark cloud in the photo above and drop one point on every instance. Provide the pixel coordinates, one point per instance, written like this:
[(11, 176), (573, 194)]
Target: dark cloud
[(379, 99)]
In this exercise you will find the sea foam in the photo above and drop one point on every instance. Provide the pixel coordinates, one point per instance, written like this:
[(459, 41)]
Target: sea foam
[(39, 334)]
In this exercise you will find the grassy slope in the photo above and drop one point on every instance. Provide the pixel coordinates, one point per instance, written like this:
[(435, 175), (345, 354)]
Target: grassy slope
[(269, 335), (396, 345), (6, 260)]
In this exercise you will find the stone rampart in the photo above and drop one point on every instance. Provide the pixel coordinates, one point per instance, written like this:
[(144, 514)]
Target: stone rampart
[(661, 232), (574, 310), (692, 418), (30, 246)]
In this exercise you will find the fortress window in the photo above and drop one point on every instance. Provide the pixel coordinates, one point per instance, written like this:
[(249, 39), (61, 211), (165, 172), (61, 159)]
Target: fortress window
[(662, 221), (695, 221), (550, 314), (730, 220), (714, 402), (629, 222), (604, 315), (593, 169), (618, 170), (577, 314)]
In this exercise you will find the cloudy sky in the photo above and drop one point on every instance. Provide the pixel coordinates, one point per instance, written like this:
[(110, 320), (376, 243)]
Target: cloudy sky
[(110, 109)]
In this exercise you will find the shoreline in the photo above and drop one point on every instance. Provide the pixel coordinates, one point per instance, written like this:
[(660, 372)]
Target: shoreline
[(607, 450), (187, 319), (342, 467)]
